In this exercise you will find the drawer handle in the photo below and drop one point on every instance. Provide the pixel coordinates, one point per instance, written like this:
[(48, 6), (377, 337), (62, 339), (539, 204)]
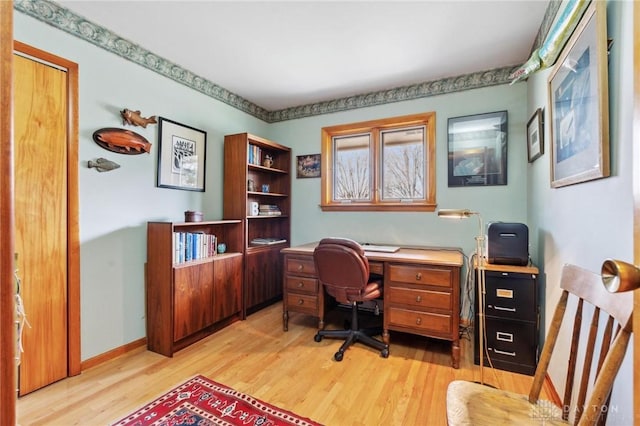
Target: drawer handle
[(418, 276), (300, 302), (419, 299), (418, 321), (504, 352), (300, 284), (300, 267), (500, 308), (505, 337)]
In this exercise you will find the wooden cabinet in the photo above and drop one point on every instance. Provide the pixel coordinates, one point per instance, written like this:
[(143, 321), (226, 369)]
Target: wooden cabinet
[(423, 299), (302, 292), (188, 300), (257, 188), (512, 318)]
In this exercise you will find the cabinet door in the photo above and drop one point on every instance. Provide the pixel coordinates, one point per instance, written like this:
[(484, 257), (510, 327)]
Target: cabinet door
[(227, 294), (193, 299), (263, 277)]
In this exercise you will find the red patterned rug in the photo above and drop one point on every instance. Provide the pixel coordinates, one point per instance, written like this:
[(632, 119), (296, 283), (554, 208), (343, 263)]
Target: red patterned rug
[(203, 402)]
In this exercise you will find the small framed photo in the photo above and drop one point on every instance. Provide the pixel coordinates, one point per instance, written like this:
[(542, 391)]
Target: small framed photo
[(579, 103), (535, 136), (181, 156), (478, 149), (308, 166)]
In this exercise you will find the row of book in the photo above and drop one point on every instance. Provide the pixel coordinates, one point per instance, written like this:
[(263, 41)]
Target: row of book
[(255, 155), (269, 210), (188, 246)]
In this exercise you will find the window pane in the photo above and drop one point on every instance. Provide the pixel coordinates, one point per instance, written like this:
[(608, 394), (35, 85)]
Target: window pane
[(403, 164), (352, 168)]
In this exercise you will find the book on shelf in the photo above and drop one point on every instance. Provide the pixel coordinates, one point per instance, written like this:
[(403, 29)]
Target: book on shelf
[(267, 241), (188, 246)]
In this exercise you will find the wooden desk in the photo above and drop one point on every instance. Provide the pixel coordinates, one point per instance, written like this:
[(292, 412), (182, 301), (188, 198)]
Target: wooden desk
[(421, 291)]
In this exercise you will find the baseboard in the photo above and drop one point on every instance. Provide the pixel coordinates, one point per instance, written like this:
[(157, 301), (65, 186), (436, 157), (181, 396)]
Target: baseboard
[(114, 353), (551, 391)]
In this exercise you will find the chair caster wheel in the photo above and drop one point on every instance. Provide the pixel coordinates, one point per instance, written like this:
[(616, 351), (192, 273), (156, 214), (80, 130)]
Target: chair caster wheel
[(384, 353), (317, 338), (338, 356)]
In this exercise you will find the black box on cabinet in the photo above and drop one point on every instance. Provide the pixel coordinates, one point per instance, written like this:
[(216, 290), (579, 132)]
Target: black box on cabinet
[(508, 243)]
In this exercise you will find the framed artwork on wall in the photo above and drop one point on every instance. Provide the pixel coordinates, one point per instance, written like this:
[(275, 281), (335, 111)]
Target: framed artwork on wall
[(308, 166), (535, 136), (478, 149), (181, 156), (578, 104)]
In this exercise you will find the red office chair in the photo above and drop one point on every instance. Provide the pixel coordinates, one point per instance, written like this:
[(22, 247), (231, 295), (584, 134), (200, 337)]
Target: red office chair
[(343, 270)]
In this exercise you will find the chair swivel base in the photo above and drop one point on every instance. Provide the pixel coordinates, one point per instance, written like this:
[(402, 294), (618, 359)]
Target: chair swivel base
[(353, 335)]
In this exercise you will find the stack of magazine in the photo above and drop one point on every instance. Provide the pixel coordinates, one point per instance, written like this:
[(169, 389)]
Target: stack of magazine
[(267, 241), (269, 210)]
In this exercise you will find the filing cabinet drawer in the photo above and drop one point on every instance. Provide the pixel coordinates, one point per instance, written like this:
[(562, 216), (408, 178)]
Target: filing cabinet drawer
[(512, 342), (300, 265), (420, 275), (295, 283), (419, 322), (302, 303), (510, 295), (418, 298)]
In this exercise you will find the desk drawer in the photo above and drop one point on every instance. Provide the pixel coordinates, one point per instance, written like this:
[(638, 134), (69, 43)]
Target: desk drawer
[(300, 265), (301, 284), (302, 303), (419, 321), (418, 298), (376, 268), (421, 275)]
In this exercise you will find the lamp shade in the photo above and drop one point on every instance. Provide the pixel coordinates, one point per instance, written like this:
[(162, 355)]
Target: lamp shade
[(456, 213), (619, 276)]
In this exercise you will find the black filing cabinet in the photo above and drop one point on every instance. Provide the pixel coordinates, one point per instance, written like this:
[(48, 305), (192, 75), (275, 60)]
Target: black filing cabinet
[(512, 318)]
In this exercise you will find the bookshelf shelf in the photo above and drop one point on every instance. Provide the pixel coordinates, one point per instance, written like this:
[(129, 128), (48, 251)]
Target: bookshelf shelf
[(244, 155)]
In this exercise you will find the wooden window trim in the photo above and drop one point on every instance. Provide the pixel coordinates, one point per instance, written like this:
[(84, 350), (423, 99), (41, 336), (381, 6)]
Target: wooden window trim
[(375, 126)]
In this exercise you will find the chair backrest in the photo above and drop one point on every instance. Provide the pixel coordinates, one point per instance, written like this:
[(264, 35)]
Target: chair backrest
[(342, 267), (600, 365)]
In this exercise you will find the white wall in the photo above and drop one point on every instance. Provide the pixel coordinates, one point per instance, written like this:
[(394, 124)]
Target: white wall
[(586, 223)]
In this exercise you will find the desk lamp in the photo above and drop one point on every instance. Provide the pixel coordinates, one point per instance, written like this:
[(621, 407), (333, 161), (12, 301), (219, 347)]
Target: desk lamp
[(463, 214)]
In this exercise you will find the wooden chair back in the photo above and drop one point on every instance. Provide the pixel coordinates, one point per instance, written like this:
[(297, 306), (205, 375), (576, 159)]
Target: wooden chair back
[(600, 365)]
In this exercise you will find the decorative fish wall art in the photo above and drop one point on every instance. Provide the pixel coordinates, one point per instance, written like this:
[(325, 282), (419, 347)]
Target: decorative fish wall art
[(121, 141), (134, 118), (102, 165)]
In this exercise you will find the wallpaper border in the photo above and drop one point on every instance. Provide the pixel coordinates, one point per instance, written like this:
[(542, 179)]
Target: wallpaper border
[(60, 17)]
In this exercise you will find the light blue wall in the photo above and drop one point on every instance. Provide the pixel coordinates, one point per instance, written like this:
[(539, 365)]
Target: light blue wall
[(495, 203), (115, 206), (586, 223)]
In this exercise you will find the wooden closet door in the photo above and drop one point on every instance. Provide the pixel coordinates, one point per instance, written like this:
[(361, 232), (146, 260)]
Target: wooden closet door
[(40, 126)]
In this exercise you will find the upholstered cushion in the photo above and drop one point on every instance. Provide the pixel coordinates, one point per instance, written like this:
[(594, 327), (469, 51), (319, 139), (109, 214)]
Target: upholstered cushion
[(474, 404)]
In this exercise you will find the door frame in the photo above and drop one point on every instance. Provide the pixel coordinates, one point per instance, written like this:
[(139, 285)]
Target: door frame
[(73, 234), (636, 208), (8, 369)]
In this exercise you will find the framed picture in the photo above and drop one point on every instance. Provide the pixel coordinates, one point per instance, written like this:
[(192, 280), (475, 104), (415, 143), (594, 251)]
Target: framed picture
[(535, 136), (181, 156), (578, 103), (478, 149), (308, 166)]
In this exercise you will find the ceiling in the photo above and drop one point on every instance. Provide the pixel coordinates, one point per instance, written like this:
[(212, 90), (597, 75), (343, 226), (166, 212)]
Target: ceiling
[(281, 54)]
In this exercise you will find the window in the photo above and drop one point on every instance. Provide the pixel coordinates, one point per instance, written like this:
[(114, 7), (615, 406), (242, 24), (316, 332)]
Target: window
[(386, 164)]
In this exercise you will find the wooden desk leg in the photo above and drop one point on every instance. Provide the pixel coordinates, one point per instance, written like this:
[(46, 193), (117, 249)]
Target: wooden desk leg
[(285, 320), (455, 353), (385, 336)]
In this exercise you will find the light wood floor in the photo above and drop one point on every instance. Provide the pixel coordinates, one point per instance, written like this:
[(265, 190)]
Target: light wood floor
[(287, 369)]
